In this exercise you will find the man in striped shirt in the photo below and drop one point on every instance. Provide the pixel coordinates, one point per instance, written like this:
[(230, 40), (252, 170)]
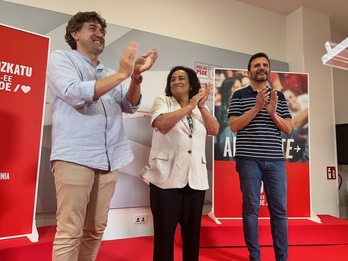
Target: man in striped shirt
[(258, 114)]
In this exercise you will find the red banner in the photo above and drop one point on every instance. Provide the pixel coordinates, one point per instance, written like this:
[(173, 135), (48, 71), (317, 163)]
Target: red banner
[(227, 198), (23, 61)]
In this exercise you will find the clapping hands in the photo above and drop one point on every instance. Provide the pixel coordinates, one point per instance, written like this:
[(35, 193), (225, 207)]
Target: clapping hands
[(130, 64)]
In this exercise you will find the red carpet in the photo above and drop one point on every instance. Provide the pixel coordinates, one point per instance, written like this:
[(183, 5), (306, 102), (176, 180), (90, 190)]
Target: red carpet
[(331, 231), (308, 241)]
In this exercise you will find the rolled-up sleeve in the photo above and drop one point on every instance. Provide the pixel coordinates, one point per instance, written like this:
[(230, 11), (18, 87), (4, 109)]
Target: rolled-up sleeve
[(66, 80), (128, 107)]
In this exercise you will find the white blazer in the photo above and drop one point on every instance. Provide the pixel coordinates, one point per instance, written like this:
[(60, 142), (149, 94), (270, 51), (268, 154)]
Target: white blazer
[(177, 158)]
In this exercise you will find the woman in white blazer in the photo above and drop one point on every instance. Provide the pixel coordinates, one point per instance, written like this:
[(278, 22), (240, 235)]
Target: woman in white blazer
[(177, 172)]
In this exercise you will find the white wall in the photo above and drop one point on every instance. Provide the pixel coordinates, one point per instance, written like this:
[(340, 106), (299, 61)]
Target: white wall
[(239, 27), (321, 112), (340, 86), (341, 116), (226, 24)]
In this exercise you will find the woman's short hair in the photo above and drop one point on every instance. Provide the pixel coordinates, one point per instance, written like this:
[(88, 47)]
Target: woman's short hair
[(194, 82)]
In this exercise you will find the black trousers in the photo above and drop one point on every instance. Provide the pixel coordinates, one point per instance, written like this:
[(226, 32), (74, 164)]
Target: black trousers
[(171, 207)]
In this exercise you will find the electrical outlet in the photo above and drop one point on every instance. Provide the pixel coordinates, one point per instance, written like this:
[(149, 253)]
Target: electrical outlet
[(140, 219)]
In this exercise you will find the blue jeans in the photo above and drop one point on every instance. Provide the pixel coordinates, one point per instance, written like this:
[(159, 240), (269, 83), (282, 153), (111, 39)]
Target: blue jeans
[(273, 175)]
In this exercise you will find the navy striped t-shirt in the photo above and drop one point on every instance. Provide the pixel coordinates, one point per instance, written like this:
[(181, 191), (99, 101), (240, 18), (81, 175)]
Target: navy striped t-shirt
[(260, 139)]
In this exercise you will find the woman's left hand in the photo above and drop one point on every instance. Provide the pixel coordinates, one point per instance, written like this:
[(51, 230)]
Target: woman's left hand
[(205, 95)]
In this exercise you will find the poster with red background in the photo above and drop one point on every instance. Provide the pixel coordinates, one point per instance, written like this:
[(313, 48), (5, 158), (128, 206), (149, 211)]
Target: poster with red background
[(227, 198), (23, 61)]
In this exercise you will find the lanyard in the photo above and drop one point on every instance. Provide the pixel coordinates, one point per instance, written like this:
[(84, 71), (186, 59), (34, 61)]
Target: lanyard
[(190, 122)]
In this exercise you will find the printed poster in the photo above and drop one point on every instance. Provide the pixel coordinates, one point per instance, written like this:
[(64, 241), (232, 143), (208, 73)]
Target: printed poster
[(23, 61), (227, 198)]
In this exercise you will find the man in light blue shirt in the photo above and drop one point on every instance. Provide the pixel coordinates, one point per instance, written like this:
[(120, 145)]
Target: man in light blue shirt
[(89, 144)]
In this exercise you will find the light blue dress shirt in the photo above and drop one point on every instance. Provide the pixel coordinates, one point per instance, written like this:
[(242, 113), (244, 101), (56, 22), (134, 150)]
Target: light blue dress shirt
[(86, 132)]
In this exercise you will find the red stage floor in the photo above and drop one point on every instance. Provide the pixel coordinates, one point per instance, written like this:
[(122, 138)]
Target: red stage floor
[(308, 241), (331, 230)]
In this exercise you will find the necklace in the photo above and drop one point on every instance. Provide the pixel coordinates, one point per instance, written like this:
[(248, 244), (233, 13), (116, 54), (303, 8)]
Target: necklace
[(190, 122)]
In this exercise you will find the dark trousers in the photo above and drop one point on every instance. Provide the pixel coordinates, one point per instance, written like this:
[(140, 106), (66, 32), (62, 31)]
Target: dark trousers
[(171, 207)]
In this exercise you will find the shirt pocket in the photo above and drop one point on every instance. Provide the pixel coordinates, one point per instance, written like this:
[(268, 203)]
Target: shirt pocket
[(162, 161)]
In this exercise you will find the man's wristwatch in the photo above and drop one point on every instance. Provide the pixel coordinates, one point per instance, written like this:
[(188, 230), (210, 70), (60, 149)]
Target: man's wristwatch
[(137, 80)]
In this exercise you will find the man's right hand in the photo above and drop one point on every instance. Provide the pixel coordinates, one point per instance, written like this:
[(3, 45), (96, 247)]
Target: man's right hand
[(127, 59)]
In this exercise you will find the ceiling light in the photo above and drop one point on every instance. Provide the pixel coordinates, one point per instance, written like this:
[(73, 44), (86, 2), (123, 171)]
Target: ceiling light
[(337, 55)]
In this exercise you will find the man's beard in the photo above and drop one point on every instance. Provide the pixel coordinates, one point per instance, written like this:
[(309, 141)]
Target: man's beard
[(262, 78)]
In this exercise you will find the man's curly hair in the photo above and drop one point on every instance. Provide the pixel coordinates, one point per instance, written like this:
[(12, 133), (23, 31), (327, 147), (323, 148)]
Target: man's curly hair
[(76, 22)]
